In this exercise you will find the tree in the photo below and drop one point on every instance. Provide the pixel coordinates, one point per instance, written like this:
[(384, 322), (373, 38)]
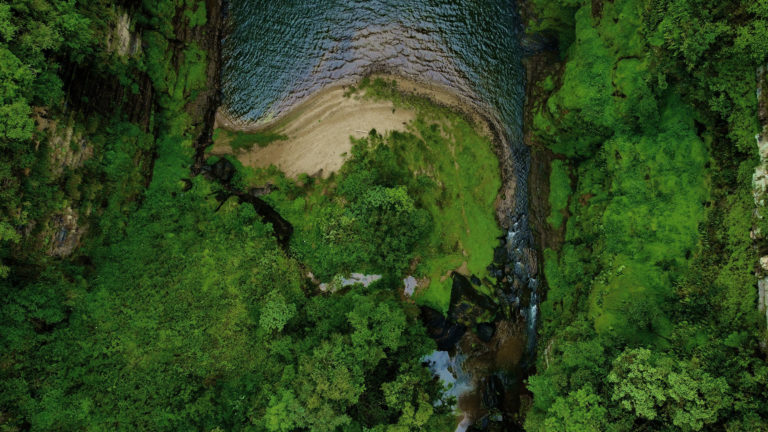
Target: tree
[(581, 411), (656, 387)]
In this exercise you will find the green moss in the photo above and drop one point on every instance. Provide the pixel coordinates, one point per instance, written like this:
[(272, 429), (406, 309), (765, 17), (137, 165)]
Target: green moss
[(559, 192)]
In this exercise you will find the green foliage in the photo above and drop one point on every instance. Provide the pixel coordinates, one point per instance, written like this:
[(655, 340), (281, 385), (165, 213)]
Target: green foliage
[(659, 388), (655, 111), (179, 313), (581, 410), (421, 198), (197, 17)]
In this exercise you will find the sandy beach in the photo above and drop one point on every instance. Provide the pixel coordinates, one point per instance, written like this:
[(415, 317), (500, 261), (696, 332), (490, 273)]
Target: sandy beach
[(319, 128)]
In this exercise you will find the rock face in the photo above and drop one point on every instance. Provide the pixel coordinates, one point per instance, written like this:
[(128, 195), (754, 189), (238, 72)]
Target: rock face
[(222, 170), (468, 306), (493, 392), (123, 40), (67, 233), (759, 191)]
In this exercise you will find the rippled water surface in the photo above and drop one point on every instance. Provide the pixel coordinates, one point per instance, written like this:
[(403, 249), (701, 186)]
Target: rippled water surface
[(279, 52)]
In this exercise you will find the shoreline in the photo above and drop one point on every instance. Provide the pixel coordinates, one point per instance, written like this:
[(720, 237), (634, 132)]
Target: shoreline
[(438, 94), (485, 122)]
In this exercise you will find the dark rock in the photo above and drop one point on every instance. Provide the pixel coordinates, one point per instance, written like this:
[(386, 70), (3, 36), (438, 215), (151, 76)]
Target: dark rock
[(261, 191), (500, 255), (469, 306), (223, 170), (445, 332), (493, 392), (475, 280), (485, 331)]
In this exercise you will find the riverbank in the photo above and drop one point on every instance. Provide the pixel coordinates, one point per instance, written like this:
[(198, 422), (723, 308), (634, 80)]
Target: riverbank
[(317, 130)]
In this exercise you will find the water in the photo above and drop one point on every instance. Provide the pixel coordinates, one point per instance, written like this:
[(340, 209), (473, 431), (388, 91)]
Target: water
[(448, 369), (278, 53)]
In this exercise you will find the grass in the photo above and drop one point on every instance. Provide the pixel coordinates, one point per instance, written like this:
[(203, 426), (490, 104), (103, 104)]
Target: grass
[(246, 140)]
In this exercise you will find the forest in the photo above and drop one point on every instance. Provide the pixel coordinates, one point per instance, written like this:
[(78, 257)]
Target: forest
[(139, 292), (650, 320)]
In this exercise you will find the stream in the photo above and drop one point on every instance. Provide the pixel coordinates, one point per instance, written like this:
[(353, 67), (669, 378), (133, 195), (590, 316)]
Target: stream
[(278, 53)]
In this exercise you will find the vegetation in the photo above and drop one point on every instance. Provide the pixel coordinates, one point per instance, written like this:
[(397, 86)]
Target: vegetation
[(178, 310), (182, 313), (419, 201), (246, 141), (650, 321)]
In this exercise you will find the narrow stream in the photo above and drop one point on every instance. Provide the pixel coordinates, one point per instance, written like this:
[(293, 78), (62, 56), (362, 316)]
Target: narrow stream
[(278, 53)]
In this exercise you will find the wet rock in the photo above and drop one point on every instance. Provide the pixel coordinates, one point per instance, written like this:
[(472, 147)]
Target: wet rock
[(444, 331), (500, 255), (480, 425), (493, 392), (531, 261), (485, 331)]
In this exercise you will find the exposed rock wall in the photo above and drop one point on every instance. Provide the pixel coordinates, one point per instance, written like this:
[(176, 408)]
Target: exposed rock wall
[(95, 96), (760, 189), (204, 106)]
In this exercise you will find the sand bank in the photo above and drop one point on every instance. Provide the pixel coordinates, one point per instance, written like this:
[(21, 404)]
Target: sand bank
[(319, 128)]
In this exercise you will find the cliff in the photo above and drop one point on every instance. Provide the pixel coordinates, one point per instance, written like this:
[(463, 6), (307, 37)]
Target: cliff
[(94, 150)]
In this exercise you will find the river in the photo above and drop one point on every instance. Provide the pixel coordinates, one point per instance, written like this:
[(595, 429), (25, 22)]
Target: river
[(278, 53)]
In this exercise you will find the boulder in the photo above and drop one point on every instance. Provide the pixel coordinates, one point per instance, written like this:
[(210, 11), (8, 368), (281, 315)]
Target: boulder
[(223, 170), (485, 331), (469, 306)]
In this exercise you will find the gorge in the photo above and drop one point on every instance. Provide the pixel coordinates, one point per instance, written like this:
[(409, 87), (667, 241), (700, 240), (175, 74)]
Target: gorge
[(383, 216)]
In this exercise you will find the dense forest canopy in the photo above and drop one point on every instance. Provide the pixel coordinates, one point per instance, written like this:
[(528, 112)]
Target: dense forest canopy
[(651, 319), (138, 294)]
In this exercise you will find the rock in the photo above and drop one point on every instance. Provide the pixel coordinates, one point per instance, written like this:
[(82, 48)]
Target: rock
[(530, 259), (261, 191), (66, 233), (445, 332), (125, 42), (223, 170), (409, 285), (493, 392), (468, 306), (764, 262), (499, 255), (360, 278), (485, 331)]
